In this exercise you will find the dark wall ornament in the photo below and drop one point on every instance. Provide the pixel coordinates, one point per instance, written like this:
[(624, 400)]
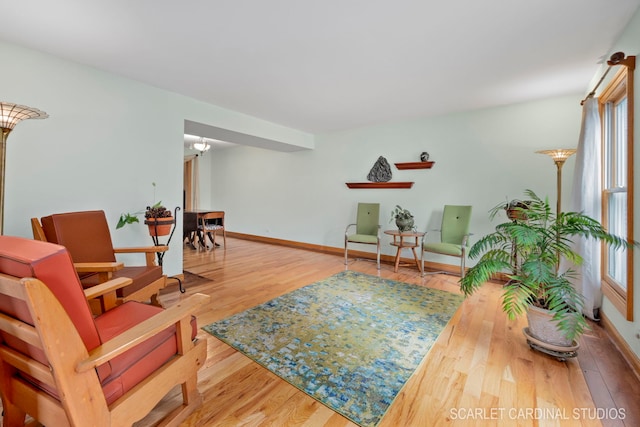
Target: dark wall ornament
[(424, 157), (381, 171)]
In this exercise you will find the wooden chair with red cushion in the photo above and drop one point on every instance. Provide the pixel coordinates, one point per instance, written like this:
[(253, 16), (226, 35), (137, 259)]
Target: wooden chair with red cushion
[(62, 366), (87, 237)]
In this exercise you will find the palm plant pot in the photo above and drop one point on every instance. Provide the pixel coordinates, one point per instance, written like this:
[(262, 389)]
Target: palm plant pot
[(545, 329), (160, 226)]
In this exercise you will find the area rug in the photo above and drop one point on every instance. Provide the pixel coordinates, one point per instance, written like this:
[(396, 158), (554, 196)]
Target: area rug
[(194, 279), (350, 341)]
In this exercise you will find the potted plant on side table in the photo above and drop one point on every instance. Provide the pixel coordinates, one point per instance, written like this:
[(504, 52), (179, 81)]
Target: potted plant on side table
[(403, 218), (528, 250)]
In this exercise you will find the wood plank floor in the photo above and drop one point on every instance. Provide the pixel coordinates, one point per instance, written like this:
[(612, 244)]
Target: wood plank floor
[(480, 371)]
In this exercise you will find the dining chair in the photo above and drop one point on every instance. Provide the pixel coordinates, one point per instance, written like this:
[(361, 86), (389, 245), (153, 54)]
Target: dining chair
[(210, 224)]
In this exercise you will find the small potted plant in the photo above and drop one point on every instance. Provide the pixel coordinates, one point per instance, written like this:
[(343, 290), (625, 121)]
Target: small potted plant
[(158, 218), (517, 209), (528, 249), (403, 218)]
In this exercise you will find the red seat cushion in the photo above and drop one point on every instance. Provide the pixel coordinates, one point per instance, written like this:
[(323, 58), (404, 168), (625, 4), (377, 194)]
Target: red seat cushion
[(136, 364), (141, 276)]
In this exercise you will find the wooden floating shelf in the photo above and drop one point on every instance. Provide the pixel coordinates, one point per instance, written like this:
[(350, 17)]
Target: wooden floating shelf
[(379, 184), (414, 165)]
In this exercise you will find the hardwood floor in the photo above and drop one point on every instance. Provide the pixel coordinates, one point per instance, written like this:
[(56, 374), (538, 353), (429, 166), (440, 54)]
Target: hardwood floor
[(480, 371)]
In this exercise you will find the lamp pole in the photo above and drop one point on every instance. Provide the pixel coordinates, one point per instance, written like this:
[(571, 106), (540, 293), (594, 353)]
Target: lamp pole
[(559, 156), (10, 116)]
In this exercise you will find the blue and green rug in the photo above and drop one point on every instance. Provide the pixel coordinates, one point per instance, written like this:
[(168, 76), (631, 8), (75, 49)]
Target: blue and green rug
[(350, 341)]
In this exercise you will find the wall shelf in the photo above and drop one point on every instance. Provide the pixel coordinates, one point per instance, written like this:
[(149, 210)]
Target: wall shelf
[(415, 165), (379, 184)]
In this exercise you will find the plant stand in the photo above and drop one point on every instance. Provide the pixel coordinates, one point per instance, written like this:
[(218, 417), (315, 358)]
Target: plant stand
[(156, 242), (560, 353)]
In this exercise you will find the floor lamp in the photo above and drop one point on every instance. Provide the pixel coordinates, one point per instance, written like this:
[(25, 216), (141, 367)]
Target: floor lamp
[(10, 116), (559, 156)]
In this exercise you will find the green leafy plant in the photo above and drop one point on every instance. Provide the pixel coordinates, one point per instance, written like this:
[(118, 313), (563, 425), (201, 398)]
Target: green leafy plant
[(400, 213), (528, 249)]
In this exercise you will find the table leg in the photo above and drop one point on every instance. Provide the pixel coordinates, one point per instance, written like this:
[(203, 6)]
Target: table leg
[(201, 239), (395, 270), (190, 236), (415, 256)]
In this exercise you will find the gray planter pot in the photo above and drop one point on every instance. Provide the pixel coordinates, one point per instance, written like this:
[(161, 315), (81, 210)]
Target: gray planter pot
[(405, 224), (543, 327)]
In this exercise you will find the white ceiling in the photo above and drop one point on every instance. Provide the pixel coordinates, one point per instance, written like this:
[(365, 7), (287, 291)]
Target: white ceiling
[(322, 66)]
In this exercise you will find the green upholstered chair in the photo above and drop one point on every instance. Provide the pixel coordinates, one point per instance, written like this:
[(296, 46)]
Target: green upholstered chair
[(367, 229), (454, 235)]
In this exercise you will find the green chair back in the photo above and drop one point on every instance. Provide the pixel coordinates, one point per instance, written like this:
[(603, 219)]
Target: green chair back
[(455, 223), (368, 218)]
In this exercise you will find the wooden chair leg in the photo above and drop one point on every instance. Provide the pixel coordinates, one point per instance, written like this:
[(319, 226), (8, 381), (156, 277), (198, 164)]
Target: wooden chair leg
[(191, 401), (155, 301), (12, 415)]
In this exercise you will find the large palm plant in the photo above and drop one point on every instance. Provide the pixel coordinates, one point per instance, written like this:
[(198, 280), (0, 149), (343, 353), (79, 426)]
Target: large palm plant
[(528, 250)]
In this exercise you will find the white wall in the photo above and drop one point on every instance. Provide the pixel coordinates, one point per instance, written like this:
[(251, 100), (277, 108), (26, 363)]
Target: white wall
[(106, 140), (481, 158)]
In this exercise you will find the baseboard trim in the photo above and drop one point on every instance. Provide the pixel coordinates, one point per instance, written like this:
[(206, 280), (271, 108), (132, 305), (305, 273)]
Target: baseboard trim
[(387, 259), (628, 354)]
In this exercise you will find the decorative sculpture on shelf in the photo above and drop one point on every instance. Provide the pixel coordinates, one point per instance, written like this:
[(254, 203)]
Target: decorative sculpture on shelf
[(424, 156), (381, 171)]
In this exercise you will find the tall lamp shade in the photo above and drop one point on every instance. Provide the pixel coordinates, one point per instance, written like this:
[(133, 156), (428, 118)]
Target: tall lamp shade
[(559, 156), (10, 116)]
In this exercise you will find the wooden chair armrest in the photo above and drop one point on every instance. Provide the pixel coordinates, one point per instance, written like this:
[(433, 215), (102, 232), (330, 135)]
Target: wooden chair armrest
[(97, 267), (148, 251), (106, 287), (180, 312), (141, 249)]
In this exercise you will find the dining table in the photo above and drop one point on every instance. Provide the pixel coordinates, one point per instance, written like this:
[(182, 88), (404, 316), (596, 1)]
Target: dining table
[(199, 213)]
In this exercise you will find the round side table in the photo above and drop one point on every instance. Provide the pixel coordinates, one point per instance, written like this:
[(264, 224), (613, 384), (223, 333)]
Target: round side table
[(405, 239)]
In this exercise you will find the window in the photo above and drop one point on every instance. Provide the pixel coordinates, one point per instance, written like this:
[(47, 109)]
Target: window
[(616, 110)]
